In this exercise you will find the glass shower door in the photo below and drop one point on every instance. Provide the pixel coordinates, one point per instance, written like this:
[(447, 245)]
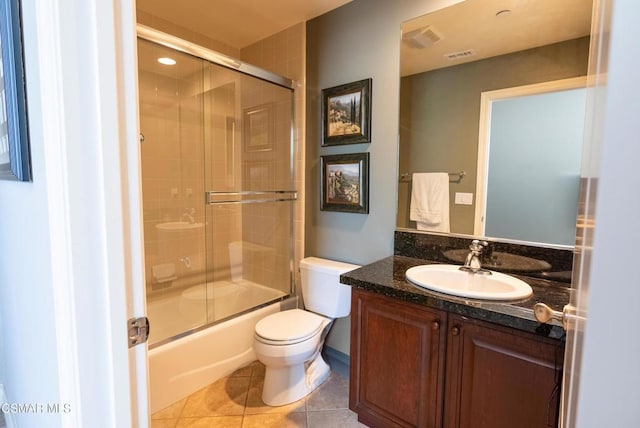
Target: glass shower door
[(172, 156), (248, 175), (217, 183)]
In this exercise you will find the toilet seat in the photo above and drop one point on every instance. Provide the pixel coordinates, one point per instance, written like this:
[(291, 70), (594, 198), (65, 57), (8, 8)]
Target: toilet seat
[(289, 327)]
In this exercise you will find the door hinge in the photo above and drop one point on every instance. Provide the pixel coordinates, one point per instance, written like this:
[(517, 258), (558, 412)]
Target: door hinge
[(137, 330)]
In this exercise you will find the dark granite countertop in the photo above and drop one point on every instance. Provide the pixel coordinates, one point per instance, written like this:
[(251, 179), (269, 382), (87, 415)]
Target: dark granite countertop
[(387, 277)]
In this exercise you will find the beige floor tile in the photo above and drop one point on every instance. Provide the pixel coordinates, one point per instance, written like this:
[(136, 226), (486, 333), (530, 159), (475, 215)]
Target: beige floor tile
[(171, 412), (163, 423), (211, 422), (223, 404), (257, 369), (255, 405), (278, 420), (342, 418), (226, 397), (243, 371), (332, 394)]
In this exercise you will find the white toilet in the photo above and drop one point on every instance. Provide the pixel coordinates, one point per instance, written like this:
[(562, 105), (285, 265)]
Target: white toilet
[(289, 343)]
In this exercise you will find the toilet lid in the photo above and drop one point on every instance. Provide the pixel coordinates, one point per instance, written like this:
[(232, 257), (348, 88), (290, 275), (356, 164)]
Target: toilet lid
[(287, 326)]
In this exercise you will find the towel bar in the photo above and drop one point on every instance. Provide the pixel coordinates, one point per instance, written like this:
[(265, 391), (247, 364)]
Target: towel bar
[(406, 176)]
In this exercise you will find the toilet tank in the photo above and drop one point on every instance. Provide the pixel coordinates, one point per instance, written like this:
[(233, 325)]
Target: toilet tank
[(322, 292)]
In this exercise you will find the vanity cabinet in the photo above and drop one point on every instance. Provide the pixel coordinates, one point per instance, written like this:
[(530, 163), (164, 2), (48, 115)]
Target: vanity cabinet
[(500, 377), (413, 366), (397, 362)]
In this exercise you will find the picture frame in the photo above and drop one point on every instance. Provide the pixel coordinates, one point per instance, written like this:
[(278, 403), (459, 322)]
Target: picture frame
[(346, 113), (15, 163), (344, 184), (258, 128)]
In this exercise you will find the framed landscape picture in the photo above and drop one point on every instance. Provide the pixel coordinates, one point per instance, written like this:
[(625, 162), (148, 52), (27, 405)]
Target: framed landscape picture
[(346, 114), (345, 183)]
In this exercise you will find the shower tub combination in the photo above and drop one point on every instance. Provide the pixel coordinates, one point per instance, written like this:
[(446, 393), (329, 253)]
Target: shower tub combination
[(217, 179), (184, 365)]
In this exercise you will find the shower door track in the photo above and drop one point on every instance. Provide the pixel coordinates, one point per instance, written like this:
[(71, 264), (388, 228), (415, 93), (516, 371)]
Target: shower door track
[(173, 42)]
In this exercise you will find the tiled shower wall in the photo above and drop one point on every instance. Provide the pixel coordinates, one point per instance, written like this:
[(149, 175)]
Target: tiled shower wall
[(173, 176)]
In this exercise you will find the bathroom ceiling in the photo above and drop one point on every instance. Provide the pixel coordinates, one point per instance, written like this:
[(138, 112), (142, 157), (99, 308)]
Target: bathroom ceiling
[(498, 27), (238, 23)]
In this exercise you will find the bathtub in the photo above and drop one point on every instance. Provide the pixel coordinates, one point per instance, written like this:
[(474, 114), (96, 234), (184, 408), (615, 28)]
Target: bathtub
[(175, 312), (182, 366)]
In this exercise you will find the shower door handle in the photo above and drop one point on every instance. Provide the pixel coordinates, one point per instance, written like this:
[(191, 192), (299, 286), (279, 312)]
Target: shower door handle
[(250, 197)]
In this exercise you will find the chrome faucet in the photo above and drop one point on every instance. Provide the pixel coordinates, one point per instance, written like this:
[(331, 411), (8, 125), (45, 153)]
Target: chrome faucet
[(189, 214), (472, 263)]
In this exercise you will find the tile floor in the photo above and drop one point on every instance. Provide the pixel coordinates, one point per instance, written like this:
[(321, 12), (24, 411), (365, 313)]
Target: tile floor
[(234, 402)]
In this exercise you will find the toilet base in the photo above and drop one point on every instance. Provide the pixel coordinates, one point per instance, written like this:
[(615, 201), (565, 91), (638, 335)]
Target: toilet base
[(284, 385)]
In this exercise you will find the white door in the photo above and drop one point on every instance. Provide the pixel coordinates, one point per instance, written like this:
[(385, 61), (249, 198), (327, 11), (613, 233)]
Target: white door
[(81, 75), (519, 126), (115, 27), (575, 313), (609, 373), (130, 172)]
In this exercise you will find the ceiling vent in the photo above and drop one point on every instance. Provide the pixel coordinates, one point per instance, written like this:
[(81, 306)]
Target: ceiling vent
[(460, 55), (422, 37)]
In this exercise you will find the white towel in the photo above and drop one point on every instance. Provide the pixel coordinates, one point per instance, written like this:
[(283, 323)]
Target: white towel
[(430, 201)]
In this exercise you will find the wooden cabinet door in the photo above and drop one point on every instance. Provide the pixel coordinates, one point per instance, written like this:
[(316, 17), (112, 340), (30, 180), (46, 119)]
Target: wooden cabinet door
[(499, 378), (397, 362)]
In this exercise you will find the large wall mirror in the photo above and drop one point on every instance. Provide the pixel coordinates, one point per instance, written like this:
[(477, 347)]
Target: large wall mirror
[(495, 89)]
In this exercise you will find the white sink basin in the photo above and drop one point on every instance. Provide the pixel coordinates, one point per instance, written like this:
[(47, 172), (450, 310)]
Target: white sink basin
[(179, 225), (449, 279)]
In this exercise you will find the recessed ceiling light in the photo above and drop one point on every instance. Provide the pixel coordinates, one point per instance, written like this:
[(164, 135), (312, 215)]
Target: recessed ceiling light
[(503, 13), (166, 61)]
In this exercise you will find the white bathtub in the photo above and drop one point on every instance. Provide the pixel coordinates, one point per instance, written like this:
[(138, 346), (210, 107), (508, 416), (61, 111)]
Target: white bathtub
[(181, 367), (173, 313)]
